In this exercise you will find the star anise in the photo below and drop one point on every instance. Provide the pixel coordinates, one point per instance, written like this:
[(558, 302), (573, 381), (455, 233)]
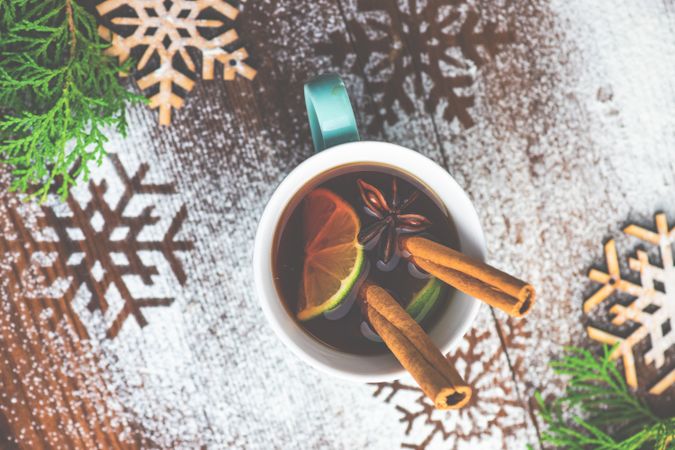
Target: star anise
[(390, 219)]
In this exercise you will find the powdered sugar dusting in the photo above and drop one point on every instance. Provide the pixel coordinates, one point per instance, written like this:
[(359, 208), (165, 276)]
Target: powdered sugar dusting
[(573, 143), (571, 138)]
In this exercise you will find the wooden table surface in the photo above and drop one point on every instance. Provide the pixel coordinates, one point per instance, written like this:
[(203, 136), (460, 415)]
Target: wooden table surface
[(128, 317)]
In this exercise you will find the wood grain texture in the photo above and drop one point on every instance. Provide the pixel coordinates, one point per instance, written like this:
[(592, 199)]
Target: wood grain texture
[(539, 109), (163, 36)]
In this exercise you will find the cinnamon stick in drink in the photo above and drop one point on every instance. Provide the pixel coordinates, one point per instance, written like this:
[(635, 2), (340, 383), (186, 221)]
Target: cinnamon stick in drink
[(496, 288), (416, 352)]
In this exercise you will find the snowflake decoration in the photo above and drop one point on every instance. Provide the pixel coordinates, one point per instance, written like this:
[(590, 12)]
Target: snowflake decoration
[(652, 306), (489, 409), (449, 45), (167, 31), (91, 248)]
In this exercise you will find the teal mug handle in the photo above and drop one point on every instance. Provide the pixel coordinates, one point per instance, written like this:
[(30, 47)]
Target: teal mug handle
[(331, 117)]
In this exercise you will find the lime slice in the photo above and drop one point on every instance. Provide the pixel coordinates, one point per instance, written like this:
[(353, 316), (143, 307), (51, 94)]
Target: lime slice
[(425, 299), (333, 257)]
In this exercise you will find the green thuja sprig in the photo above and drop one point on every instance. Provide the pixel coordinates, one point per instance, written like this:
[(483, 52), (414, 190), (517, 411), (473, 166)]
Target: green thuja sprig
[(58, 92), (598, 410)]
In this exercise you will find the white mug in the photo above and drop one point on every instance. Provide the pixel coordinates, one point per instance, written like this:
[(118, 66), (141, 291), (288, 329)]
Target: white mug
[(454, 321)]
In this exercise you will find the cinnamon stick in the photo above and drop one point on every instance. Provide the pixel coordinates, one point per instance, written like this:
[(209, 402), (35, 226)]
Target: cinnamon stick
[(416, 352), (499, 289)]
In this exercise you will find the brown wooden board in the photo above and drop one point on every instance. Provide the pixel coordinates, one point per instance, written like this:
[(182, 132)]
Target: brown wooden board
[(151, 337)]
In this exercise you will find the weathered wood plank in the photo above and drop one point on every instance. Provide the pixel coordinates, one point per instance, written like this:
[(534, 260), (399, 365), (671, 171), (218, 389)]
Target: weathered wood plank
[(402, 48), (229, 146), (562, 154), (542, 112)]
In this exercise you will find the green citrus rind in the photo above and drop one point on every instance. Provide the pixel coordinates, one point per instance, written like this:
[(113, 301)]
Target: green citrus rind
[(345, 287), (425, 299)]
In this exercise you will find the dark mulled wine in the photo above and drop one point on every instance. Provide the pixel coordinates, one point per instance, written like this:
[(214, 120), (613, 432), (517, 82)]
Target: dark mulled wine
[(341, 229)]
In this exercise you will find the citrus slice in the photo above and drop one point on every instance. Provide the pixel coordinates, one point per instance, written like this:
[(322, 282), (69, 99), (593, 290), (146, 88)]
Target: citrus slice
[(425, 299), (333, 257)]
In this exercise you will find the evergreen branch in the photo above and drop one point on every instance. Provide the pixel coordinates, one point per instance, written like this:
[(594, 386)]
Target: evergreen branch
[(598, 410), (58, 93)]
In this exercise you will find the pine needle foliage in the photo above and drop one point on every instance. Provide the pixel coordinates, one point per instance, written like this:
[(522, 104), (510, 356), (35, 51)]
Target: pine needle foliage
[(598, 410), (58, 92)]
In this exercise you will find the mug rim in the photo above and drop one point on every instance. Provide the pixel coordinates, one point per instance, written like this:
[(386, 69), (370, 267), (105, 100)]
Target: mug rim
[(363, 368)]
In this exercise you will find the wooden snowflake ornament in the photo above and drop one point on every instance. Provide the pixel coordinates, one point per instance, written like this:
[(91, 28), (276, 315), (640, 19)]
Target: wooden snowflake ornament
[(165, 31), (653, 308)]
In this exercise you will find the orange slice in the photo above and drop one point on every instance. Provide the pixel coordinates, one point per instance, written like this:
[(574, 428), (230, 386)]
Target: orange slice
[(333, 257)]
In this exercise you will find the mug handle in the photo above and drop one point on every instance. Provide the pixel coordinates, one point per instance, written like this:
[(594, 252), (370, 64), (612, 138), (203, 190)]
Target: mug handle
[(331, 118)]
